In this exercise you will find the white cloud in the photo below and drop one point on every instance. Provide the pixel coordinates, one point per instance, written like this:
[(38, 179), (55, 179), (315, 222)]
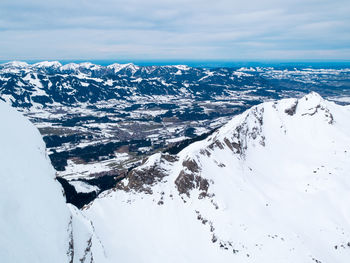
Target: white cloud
[(164, 29)]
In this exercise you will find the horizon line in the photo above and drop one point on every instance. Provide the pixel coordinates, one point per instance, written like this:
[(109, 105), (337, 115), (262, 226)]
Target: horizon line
[(191, 62)]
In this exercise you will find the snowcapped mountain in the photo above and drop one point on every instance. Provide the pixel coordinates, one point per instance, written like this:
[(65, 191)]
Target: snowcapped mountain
[(36, 225), (47, 65), (118, 67), (49, 83), (269, 186)]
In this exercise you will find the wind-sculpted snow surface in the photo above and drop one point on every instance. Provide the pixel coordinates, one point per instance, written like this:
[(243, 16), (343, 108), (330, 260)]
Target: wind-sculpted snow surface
[(272, 185), (35, 223)]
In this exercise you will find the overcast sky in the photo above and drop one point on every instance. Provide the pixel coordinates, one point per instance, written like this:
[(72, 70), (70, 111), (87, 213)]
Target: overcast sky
[(175, 29)]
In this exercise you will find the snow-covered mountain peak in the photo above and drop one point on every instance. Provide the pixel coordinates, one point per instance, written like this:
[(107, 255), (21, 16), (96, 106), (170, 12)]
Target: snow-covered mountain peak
[(70, 67), (311, 100), (86, 65), (116, 67), (48, 64), (14, 67), (16, 64), (257, 126), (272, 179), (312, 96), (89, 66)]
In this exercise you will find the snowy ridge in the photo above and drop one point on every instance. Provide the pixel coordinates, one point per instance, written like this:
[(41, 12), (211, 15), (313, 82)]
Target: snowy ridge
[(15, 66), (118, 67), (35, 224), (48, 64), (51, 84), (268, 186)]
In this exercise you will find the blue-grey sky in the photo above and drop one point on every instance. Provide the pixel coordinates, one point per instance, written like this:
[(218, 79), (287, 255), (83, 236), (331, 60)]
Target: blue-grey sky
[(175, 29)]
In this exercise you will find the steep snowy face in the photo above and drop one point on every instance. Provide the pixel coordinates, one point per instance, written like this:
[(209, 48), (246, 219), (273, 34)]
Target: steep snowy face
[(269, 186), (35, 223)]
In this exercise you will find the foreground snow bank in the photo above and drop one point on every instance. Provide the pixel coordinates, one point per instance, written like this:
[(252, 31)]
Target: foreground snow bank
[(35, 223)]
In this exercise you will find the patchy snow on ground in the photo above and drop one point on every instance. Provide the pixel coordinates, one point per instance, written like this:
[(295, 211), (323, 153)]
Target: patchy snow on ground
[(75, 170), (82, 187), (80, 170)]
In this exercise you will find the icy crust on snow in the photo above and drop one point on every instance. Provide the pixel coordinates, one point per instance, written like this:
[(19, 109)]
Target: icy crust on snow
[(269, 186), (35, 223)]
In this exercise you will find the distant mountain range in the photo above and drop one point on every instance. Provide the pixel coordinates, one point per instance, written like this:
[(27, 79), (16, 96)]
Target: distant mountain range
[(49, 83)]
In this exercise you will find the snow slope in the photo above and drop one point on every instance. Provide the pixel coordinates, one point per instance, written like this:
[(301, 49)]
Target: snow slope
[(272, 185), (35, 223)]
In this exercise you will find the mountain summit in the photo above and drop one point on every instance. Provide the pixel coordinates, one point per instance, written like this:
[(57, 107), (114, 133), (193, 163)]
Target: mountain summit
[(269, 186)]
